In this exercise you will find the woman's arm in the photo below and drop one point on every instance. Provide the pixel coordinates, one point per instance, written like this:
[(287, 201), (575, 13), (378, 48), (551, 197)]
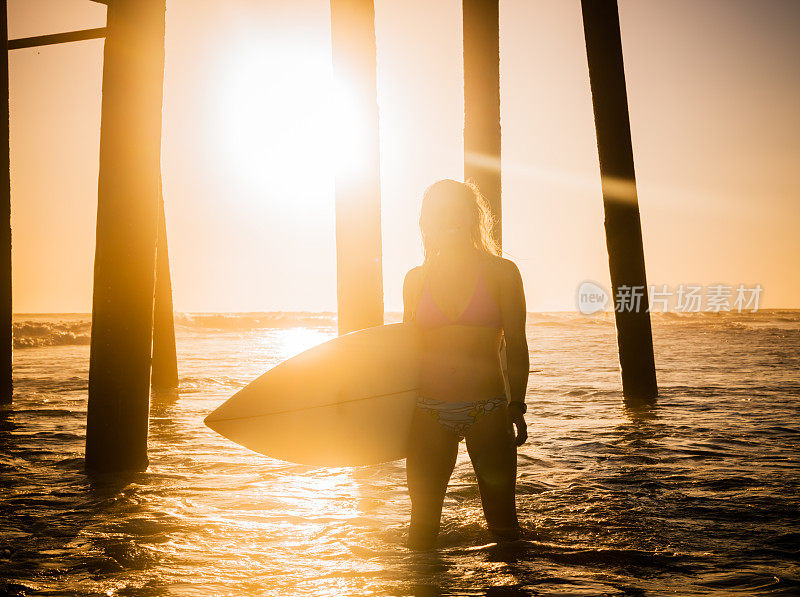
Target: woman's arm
[(513, 311), (410, 291)]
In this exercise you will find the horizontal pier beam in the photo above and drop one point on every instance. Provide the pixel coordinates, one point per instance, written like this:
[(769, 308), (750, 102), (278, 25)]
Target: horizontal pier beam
[(56, 38)]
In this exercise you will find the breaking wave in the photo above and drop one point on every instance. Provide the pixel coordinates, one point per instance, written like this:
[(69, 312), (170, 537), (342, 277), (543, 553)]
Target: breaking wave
[(38, 333), (31, 331)]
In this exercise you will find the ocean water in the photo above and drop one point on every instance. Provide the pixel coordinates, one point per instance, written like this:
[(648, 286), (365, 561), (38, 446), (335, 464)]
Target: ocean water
[(699, 495)]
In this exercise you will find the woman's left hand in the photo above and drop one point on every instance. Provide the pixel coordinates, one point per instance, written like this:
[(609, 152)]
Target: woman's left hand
[(518, 420)]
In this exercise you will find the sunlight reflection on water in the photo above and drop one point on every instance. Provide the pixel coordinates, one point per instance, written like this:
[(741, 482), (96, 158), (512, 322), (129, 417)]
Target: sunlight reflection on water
[(684, 497), (293, 341)]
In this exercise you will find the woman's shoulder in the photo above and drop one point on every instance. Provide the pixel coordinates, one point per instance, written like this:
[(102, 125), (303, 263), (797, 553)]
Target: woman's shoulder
[(413, 277), (414, 272), (502, 267)]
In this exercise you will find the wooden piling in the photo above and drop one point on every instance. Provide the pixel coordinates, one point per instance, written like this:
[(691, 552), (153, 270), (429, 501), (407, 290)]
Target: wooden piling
[(481, 25), (6, 339), (125, 253), (622, 222), (358, 203), (164, 375)]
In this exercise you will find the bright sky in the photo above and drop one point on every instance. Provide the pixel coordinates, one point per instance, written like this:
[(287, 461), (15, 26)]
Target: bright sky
[(713, 88)]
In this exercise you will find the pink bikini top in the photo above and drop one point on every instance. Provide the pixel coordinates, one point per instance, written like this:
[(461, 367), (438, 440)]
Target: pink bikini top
[(482, 309)]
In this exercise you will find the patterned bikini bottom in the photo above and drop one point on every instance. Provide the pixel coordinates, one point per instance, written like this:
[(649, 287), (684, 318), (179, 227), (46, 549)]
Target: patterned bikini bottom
[(459, 417)]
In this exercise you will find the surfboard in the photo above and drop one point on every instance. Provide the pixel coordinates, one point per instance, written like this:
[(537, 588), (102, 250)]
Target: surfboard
[(345, 402)]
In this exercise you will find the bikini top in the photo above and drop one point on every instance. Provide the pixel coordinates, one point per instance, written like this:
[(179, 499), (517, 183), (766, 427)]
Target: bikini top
[(482, 309)]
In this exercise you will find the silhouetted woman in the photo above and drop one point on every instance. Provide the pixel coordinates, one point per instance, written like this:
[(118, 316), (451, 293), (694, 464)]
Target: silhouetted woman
[(465, 298)]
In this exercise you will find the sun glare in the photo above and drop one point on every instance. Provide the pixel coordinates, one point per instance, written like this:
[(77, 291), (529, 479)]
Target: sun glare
[(293, 341), (284, 124)]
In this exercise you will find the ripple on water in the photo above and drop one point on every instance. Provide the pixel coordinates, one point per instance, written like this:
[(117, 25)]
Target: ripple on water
[(696, 496)]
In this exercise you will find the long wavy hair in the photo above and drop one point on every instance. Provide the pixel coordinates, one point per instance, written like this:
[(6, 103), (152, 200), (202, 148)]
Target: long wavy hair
[(481, 221)]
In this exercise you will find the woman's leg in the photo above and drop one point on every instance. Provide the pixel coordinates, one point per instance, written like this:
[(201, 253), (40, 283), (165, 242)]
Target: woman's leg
[(431, 457), (491, 447)]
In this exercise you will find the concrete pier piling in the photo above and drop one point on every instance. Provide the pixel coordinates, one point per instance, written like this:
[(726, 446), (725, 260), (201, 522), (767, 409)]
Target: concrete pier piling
[(622, 222), (164, 374), (129, 189), (481, 24), (358, 187), (6, 340)]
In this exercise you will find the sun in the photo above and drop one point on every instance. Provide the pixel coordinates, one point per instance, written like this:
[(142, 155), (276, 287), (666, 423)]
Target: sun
[(284, 125)]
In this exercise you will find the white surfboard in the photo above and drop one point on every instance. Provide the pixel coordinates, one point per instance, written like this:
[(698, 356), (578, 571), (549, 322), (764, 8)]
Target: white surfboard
[(346, 402)]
